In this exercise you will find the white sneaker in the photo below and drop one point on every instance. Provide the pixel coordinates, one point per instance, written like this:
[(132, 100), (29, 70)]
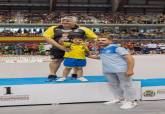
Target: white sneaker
[(128, 105), (112, 101), (82, 79), (61, 79), (122, 101)]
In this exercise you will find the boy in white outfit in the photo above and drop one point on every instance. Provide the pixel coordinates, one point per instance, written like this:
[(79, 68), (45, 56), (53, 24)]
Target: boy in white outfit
[(118, 67)]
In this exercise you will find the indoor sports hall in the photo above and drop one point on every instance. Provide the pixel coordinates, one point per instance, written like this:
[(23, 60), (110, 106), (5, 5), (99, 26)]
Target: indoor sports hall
[(49, 51)]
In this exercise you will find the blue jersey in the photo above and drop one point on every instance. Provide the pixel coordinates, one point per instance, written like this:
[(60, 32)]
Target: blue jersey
[(113, 60)]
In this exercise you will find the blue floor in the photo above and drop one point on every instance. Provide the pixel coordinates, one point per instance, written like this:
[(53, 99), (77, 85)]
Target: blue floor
[(43, 80), (92, 79)]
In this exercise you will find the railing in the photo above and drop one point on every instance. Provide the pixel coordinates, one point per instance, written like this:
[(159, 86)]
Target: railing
[(11, 25)]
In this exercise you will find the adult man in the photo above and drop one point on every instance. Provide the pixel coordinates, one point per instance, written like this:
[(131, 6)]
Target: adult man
[(55, 34), (118, 67)]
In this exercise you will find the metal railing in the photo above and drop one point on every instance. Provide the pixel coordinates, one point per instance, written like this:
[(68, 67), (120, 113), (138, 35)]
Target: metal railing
[(89, 25)]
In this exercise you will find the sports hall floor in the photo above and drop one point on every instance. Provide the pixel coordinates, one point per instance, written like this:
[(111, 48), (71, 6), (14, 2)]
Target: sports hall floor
[(144, 107), (153, 68)]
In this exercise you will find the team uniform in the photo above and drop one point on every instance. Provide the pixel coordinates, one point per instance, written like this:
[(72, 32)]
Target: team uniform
[(77, 56), (58, 32)]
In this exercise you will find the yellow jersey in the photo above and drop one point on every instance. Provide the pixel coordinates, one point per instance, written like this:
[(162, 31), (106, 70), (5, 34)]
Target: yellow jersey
[(50, 33), (77, 51)]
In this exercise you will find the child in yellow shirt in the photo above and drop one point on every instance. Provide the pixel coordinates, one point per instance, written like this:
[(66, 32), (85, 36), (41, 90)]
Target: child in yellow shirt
[(75, 58)]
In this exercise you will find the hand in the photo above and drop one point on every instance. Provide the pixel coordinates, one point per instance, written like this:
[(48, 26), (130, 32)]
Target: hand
[(129, 73), (67, 49), (60, 41)]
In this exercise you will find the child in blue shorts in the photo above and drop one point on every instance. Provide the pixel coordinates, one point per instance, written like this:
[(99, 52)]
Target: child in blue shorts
[(75, 58)]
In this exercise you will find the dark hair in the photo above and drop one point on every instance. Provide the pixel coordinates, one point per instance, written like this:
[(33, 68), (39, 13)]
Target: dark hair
[(107, 36), (77, 35), (73, 37)]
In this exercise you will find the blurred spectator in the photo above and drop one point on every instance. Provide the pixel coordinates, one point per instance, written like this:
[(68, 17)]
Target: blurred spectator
[(84, 18), (135, 47)]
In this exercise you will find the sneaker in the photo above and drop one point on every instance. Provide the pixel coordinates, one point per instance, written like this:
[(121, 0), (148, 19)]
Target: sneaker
[(61, 79), (112, 101), (122, 101), (51, 78), (82, 79), (128, 105)]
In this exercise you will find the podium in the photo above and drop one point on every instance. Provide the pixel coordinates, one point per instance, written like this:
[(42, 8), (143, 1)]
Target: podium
[(32, 91), (153, 89)]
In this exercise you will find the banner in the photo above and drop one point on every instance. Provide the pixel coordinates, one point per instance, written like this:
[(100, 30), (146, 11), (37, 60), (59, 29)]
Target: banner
[(21, 39), (153, 89), (153, 93)]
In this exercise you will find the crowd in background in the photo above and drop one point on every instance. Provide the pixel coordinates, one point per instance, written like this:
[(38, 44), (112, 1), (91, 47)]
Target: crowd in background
[(21, 48), (129, 34), (138, 34), (140, 47), (124, 33), (84, 18), (145, 47)]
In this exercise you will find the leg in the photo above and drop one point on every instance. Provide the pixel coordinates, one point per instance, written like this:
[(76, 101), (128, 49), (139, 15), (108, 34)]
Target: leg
[(70, 62), (115, 85), (74, 75), (115, 88), (57, 58), (80, 63), (129, 92), (54, 65), (80, 74), (66, 71), (79, 71), (127, 87)]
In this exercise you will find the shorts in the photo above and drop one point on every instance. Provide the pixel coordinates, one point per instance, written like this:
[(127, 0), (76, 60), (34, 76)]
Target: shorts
[(56, 53), (71, 62)]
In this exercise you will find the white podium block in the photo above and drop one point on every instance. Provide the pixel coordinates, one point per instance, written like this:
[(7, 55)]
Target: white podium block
[(153, 89), (28, 91)]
